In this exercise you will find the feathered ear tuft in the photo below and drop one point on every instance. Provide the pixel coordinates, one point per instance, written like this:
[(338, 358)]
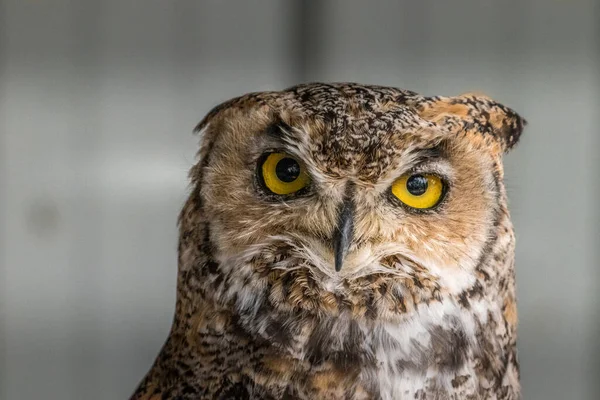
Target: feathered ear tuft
[(477, 113), (205, 130)]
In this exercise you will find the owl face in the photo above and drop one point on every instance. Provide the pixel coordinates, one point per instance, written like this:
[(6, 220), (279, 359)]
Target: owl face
[(345, 199)]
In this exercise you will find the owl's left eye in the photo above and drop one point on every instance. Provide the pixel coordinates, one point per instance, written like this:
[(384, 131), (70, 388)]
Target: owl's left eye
[(282, 173), (419, 191)]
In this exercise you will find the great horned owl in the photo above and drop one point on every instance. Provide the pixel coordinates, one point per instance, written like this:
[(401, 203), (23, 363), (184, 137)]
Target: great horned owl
[(345, 241)]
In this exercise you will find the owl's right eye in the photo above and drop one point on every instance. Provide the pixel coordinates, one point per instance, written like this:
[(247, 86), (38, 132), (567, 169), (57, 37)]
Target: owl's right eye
[(282, 174)]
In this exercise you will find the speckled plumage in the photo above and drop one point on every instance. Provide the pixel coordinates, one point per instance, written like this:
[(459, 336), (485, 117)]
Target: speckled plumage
[(424, 307)]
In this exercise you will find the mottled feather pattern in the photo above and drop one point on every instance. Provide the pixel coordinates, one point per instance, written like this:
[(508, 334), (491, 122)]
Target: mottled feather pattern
[(424, 306)]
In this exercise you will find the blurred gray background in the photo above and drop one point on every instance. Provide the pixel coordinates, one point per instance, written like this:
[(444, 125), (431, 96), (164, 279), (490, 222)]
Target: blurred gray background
[(97, 103)]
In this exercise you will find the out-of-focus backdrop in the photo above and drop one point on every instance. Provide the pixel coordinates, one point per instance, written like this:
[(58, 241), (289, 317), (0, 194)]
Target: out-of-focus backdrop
[(97, 103)]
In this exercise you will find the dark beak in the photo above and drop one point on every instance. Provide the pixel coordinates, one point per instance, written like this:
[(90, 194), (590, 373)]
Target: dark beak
[(343, 235)]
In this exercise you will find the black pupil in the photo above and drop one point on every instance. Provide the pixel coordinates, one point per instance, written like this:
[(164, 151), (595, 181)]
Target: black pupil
[(287, 170), (416, 185)]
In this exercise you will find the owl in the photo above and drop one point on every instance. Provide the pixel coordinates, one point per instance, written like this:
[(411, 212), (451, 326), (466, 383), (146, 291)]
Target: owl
[(345, 241)]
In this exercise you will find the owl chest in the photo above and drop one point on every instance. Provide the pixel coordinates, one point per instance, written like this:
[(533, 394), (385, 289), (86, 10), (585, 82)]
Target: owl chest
[(430, 353), (420, 358)]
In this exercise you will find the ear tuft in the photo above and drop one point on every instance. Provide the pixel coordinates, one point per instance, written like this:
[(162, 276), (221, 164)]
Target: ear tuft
[(214, 111), (477, 113)]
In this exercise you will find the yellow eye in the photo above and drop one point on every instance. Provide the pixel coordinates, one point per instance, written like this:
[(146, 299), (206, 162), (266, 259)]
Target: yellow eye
[(421, 191), (283, 174)]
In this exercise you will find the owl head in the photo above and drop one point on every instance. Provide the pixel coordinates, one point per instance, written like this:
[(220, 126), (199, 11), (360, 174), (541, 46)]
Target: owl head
[(344, 199)]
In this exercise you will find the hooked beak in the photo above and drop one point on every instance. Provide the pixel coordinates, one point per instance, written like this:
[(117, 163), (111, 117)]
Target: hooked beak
[(344, 233)]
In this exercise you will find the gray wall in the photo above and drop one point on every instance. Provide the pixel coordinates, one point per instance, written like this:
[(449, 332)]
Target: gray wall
[(97, 103)]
